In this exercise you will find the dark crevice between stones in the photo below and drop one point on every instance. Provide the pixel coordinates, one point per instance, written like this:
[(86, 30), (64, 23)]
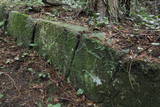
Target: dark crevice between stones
[(33, 36), (67, 74)]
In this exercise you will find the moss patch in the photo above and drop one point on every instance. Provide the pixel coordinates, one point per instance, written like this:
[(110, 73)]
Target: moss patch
[(138, 85), (21, 27), (2, 13), (56, 42), (93, 67)]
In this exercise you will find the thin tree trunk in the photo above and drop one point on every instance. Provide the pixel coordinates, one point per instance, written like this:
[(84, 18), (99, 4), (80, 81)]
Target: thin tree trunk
[(114, 10), (102, 9), (109, 8)]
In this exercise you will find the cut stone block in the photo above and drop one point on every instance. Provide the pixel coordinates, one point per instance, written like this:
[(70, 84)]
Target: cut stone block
[(139, 84), (93, 66), (21, 27), (57, 41), (2, 13)]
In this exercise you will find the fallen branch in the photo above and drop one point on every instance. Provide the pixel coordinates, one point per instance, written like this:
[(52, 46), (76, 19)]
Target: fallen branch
[(54, 3)]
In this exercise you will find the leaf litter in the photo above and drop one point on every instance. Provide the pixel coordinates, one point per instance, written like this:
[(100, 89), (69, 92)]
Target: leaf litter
[(21, 85)]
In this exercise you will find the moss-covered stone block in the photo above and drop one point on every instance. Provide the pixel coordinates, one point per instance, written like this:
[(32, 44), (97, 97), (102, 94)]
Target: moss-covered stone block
[(21, 27), (138, 84), (3, 15), (93, 66), (2, 12), (57, 41)]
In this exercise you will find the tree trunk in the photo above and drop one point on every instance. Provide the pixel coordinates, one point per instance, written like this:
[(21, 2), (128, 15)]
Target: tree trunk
[(102, 9), (113, 10)]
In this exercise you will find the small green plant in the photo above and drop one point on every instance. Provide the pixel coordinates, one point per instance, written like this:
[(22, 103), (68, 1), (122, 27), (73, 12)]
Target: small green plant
[(80, 91), (2, 24), (31, 70), (50, 99), (24, 54), (98, 21), (33, 45), (1, 95), (54, 105), (44, 75)]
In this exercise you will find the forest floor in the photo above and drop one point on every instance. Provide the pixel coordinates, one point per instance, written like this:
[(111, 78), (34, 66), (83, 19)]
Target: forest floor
[(27, 80)]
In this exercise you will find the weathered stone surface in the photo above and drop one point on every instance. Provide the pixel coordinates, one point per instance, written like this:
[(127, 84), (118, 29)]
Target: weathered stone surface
[(90, 63), (2, 13), (3, 16), (138, 85), (57, 42), (21, 27), (93, 67)]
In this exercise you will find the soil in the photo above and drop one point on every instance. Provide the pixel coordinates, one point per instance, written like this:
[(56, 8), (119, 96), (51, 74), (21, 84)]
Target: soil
[(27, 80)]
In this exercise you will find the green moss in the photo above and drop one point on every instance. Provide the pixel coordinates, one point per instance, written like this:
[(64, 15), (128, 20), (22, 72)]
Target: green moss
[(93, 63), (70, 27), (2, 13), (21, 27), (142, 66), (137, 87), (56, 42), (93, 67)]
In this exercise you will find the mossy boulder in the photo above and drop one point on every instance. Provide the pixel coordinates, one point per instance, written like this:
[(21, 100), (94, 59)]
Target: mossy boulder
[(21, 27)]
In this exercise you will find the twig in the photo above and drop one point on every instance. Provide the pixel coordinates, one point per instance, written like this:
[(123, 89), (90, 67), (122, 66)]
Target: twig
[(129, 74), (144, 50), (14, 83)]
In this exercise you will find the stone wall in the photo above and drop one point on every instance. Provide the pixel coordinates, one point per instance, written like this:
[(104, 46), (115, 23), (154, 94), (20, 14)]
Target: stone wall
[(88, 63)]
